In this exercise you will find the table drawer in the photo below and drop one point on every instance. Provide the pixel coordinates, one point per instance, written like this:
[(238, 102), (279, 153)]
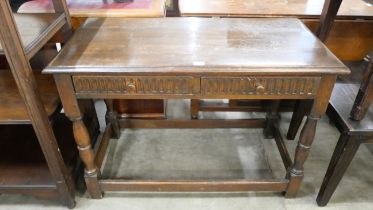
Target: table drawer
[(267, 86), (137, 85)]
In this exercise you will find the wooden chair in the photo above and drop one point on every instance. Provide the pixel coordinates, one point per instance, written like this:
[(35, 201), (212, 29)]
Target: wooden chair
[(353, 133), (27, 97), (364, 97)]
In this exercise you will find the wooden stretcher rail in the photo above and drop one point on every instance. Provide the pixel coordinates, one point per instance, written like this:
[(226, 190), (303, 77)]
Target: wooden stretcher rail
[(241, 123), (194, 186), (102, 146), (285, 156)]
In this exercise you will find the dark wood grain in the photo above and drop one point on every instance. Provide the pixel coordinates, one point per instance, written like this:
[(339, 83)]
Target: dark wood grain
[(342, 101), (199, 46), (268, 59), (319, 106), (343, 154), (194, 186), (364, 97), (300, 110), (112, 118), (243, 123), (329, 13), (81, 135), (80, 10), (22, 162), (141, 109), (349, 40), (41, 29), (13, 109), (353, 133), (36, 29)]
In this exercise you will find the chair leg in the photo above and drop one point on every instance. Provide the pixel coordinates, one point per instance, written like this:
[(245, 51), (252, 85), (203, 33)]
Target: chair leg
[(301, 108), (112, 118), (364, 97), (344, 152), (271, 119)]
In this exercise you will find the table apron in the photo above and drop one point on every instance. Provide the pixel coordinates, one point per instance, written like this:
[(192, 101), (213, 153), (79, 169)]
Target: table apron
[(206, 87)]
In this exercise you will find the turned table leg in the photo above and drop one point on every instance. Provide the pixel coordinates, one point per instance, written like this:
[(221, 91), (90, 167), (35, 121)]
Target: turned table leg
[(295, 173), (81, 135), (112, 118)]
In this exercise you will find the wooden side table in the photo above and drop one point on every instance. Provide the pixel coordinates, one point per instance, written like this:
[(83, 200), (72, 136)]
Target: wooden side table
[(215, 58), (350, 38)]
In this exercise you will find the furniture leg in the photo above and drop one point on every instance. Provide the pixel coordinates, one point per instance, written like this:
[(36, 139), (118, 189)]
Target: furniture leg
[(301, 109), (364, 97), (329, 12), (112, 118), (66, 30), (194, 108), (271, 119), (233, 102), (12, 44), (82, 139), (344, 152), (175, 11), (295, 173)]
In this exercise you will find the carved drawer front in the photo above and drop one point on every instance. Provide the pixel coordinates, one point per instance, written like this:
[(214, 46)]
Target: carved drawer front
[(275, 86), (137, 85)]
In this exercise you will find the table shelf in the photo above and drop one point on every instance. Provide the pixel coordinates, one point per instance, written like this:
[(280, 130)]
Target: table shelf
[(13, 109), (22, 163)]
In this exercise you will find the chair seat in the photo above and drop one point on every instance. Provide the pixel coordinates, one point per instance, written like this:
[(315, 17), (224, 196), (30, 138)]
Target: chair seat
[(12, 106), (32, 27)]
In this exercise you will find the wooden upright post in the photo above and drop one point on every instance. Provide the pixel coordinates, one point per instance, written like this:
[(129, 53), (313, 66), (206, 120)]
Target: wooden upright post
[(24, 78)]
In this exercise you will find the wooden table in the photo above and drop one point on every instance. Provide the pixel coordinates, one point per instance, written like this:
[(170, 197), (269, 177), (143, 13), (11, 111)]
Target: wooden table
[(100, 8), (194, 58), (350, 9), (350, 38)]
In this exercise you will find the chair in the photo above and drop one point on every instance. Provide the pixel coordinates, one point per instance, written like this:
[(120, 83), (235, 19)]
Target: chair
[(353, 133), (364, 97)]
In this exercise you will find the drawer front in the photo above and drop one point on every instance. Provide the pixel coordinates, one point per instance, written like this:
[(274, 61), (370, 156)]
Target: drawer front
[(261, 86), (137, 85)]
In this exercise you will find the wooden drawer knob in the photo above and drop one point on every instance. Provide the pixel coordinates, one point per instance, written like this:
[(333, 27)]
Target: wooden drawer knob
[(131, 87), (260, 89)]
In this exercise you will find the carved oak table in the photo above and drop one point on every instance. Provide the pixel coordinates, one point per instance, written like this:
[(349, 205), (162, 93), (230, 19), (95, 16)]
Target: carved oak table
[(194, 58)]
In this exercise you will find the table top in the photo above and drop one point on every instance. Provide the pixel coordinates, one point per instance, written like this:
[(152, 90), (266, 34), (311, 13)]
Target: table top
[(101, 8), (260, 8), (195, 45)]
